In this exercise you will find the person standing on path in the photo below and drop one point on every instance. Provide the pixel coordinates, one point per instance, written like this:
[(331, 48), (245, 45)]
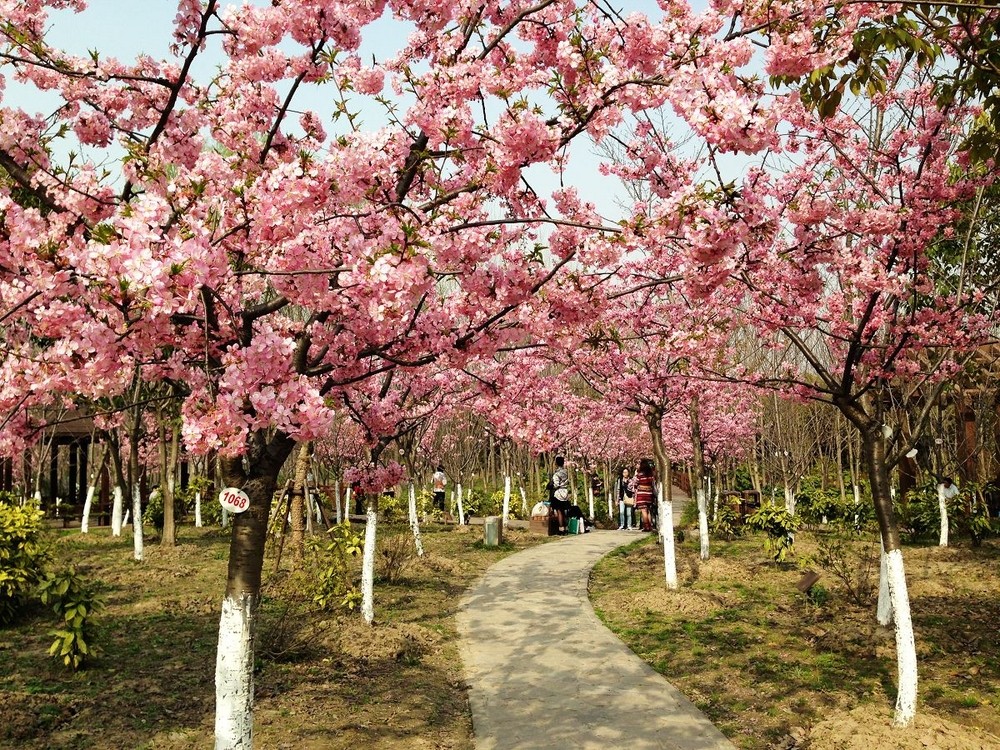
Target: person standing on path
[(559, 499), (626, 502), (439, 480), (645, 492)]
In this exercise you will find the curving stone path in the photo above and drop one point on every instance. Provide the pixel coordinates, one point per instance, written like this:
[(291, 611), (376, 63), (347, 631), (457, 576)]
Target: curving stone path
[(544, 672)]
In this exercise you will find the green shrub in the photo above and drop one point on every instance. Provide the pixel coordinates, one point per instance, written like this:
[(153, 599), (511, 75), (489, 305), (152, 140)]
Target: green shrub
[(851, 558), (75, 601), (152, 514), (919, 513), (23, 556), (329, 568), (779, 525), (727, 522)]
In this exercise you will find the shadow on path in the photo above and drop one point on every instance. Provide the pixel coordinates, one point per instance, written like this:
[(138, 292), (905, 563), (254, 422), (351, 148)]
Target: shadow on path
[(544, 672)]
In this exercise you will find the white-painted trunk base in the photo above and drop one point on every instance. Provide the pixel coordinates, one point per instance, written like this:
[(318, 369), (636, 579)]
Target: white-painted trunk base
[(116, 511), (224, 518), (137, 524), (906, 651), (943, 507), (666, 511), (347, 502), (197, 509), (85, 519), (590, 500), (506, 500), (524, 501), (461, 510), (234, 676), (336, 502), (415, 522), (703, 523), (368, 567)]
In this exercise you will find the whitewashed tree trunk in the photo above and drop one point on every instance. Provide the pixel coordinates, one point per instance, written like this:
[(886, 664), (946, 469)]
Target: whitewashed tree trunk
[(906, 651), (667, 532), (703, 522), (58, 503), (137, 523), (336, 502), (38, 499), (943, 507), (461, 510), (611, 509), (316, 508), (415, 522), (884, 610), (85, 519), (310, 509), (857, 501), (197, 509), (224, 519), (368, 566), (347, 502), (234, 675), (590, 499), (116, 511), (524, 500), (506, 499), (789, 500)]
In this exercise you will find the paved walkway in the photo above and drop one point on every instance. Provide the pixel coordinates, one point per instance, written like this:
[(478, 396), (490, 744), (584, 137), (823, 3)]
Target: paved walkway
[(545, 674)]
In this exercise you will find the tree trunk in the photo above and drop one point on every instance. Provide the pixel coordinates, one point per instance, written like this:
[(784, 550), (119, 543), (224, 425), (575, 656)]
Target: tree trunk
[(137, 541), (698, 472), (461, 509), (666, 508), (235, 655), (368, 559), (168, 473), (95, 474), (298, 504), (943, 509), (506, 499), (883, 612), (415, 521), (873, 450)]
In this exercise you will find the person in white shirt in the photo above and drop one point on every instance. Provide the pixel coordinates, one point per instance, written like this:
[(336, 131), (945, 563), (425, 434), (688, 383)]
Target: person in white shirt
[(439, 480)]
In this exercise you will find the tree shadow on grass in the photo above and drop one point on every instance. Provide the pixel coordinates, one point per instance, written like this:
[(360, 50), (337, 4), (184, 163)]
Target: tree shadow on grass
[(156, 674)]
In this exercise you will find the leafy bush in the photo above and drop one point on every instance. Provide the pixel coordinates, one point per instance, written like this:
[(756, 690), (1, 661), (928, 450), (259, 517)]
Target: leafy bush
[(815, 504), (396, 551), (919, 514), (23, 556), (851, 558), (75, 601), (211, 512), (727, 522), (329, 567), (152, 514), (779, 525)]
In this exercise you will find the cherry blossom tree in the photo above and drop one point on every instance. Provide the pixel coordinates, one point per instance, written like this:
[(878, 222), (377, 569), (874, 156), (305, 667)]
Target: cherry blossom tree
[(221, 233)]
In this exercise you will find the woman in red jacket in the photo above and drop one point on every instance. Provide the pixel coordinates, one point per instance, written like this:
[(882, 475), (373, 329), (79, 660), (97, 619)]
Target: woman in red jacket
[(645, 492)]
